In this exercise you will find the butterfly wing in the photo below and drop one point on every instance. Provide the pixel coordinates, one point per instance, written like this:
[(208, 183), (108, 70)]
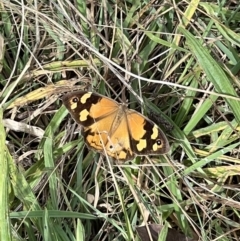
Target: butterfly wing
[(88, 108), (146, 137)]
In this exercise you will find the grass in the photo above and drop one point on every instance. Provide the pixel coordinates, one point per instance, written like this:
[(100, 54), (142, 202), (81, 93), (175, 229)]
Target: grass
[(176, 59)]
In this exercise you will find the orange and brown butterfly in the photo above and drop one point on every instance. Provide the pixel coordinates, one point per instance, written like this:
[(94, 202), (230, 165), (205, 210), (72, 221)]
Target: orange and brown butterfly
[(111, 128)]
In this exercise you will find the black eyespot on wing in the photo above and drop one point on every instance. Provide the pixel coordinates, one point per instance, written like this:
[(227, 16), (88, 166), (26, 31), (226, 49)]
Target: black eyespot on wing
[(159, 142), (75, 99)]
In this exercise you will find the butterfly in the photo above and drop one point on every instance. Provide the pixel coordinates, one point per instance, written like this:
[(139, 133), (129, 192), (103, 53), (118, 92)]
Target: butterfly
[(111, 128)]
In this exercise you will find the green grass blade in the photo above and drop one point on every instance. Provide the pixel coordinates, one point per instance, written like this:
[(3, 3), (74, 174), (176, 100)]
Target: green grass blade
[(213, 71), (5, 233)]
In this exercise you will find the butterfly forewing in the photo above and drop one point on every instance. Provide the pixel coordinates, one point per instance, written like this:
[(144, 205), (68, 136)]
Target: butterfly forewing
[(87, 108), (146, 137)]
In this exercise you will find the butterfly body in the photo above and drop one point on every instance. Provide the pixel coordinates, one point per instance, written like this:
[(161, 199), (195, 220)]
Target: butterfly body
[(111, 128)]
